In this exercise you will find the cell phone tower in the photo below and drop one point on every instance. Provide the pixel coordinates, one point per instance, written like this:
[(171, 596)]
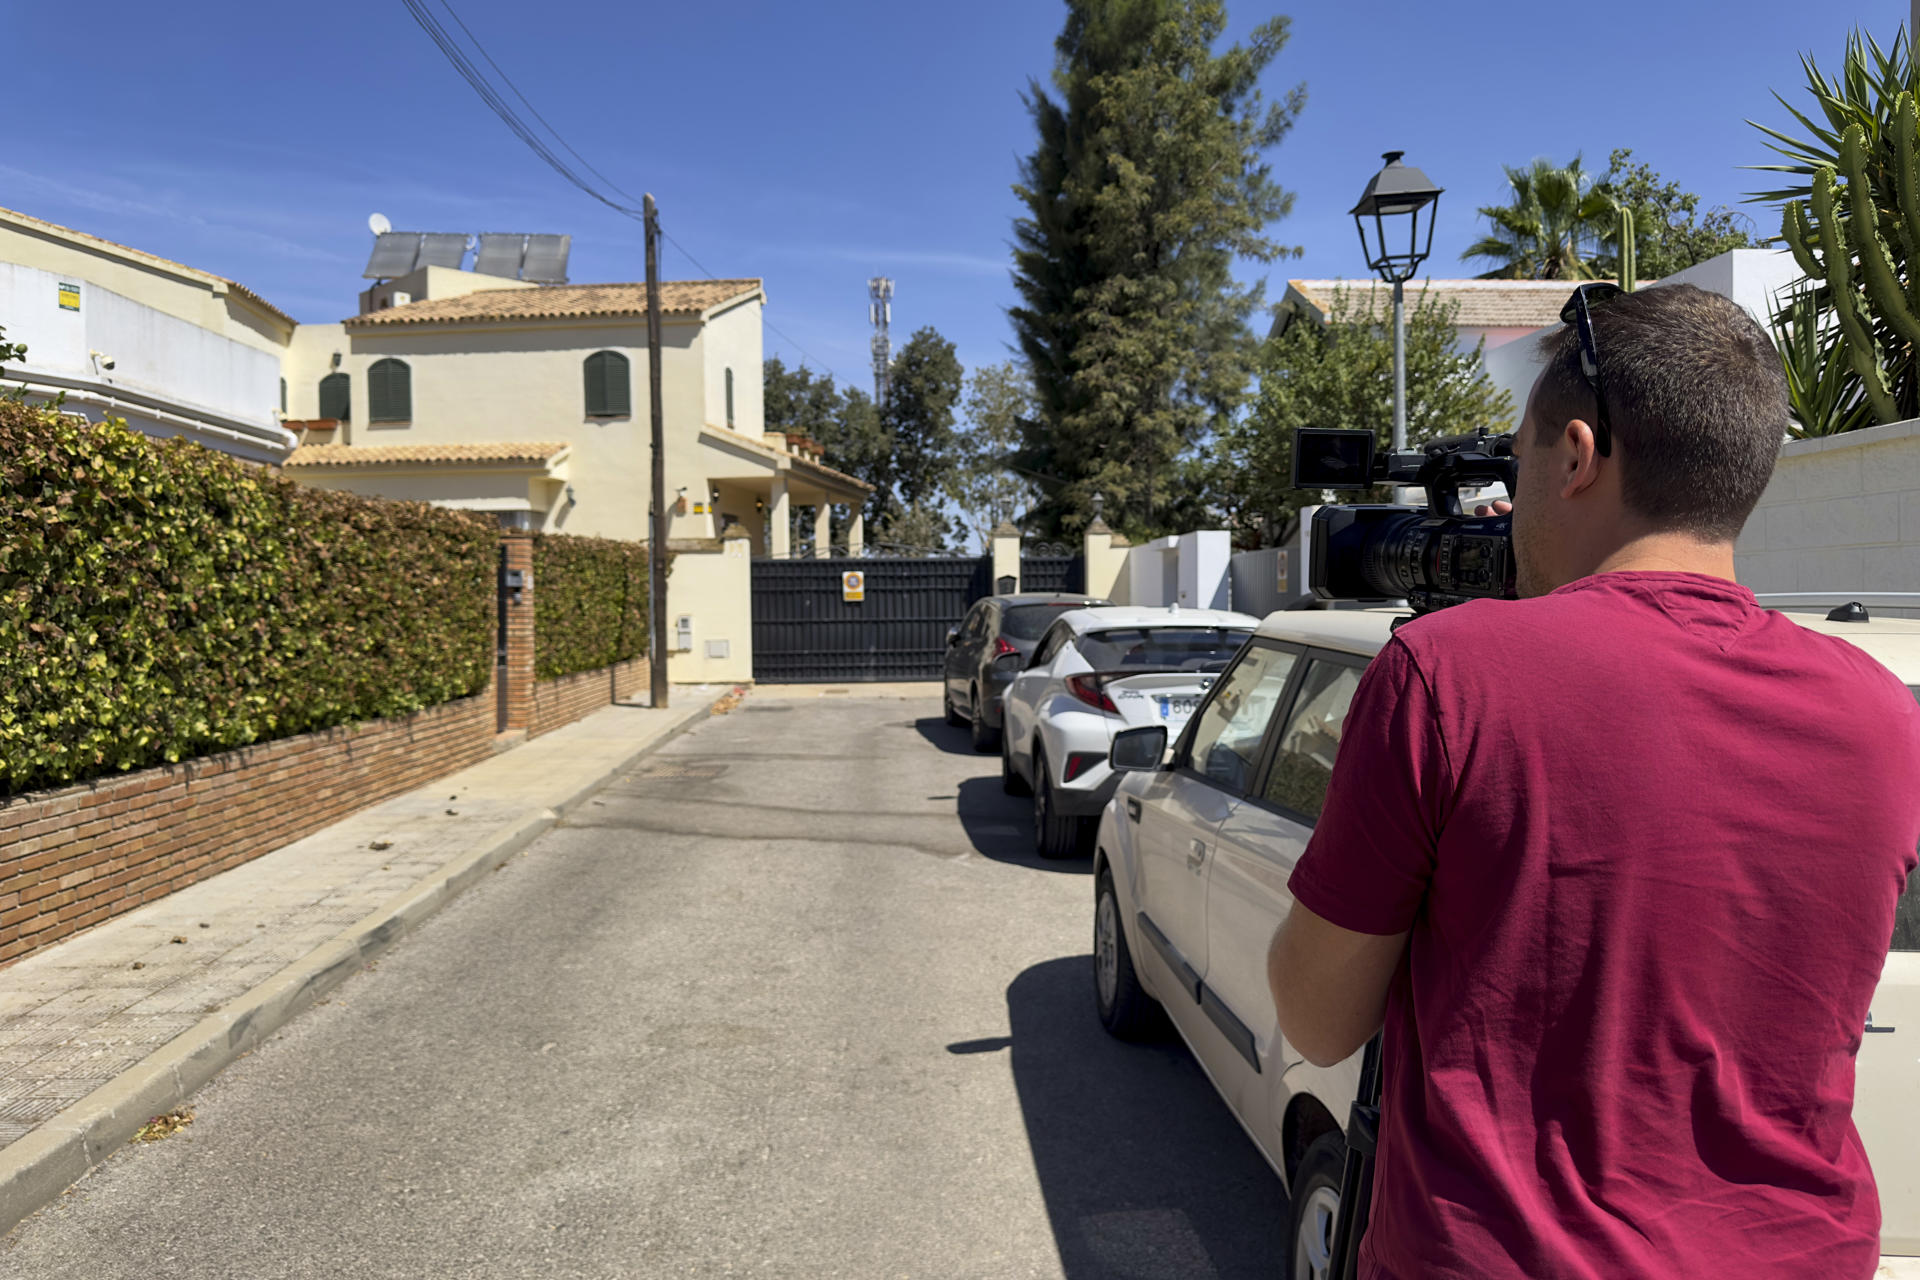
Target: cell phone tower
[(879, 313)]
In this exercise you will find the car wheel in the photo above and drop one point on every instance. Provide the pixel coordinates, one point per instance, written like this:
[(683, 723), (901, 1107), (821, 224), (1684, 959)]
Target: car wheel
[(1126, 1010), (1055, 835), (985, 736), (1010, 780), (946, 707), (1316, 1204)]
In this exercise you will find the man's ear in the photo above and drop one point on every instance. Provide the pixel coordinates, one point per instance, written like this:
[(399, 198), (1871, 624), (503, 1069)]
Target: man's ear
[(1577, 460)]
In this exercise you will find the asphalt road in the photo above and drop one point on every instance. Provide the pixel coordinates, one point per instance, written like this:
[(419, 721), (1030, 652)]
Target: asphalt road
[(792, 999)]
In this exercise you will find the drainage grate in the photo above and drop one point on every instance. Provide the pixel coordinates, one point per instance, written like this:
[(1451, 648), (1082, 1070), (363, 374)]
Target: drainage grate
[(775, 707), (702, 771)]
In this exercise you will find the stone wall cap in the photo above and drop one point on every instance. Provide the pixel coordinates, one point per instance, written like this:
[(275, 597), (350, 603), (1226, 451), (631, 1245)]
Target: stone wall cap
[(1005, 529)]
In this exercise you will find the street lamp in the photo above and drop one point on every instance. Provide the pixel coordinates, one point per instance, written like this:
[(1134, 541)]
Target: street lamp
[(1393, 202)]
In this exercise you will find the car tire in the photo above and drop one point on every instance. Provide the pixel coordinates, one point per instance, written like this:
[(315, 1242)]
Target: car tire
[(1125, 1008), (946, 707), (1316, 1205), (1010, 780), (985, 736), (1055, 835)]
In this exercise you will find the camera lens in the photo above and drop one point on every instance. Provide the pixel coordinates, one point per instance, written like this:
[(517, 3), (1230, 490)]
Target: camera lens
[(1392, 560)]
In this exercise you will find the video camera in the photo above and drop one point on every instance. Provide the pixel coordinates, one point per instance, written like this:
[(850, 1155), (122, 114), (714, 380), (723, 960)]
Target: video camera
[(1434, 556)]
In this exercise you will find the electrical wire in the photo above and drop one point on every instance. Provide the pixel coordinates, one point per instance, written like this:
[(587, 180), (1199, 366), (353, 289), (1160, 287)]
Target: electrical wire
[(497, 103)]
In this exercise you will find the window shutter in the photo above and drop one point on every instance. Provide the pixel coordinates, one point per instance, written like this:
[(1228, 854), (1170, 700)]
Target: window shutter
[(389, 392), (336, 396), (606, 379), (283, 397)]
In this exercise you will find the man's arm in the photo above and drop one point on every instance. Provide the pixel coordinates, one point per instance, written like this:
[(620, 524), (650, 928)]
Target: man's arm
[(1329, 984)]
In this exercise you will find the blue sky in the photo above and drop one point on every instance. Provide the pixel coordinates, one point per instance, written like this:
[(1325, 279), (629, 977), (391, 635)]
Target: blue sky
[(815, 145)]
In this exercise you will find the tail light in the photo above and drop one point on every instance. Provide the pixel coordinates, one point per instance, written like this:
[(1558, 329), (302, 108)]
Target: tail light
[(1092, 690), (1001, 648), (1079, 762)]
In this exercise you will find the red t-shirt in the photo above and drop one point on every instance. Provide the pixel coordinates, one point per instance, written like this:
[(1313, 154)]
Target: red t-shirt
[(1647, 838)]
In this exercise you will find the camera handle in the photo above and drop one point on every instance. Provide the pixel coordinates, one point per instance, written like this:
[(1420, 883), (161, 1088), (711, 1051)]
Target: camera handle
[(1356, 1179)]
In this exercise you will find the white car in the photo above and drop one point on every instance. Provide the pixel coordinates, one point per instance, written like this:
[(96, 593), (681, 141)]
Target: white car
[(1190, 870), (1096, 671)]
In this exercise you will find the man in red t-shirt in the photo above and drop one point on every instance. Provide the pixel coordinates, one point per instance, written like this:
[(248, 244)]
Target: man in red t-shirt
[(1615, 865)]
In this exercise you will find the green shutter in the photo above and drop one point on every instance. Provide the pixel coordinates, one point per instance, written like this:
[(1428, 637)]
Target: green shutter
[(336, 397), (606, 384), (389, 392), (283, 397), (729, 397)]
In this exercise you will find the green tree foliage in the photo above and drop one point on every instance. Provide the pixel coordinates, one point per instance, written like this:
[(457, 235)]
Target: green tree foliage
[(917, 422), (589, 603), (984, 488), (911, 531), (1145, 185), (1341, 375), (160, 601), (1670, 232), (1551, 228)]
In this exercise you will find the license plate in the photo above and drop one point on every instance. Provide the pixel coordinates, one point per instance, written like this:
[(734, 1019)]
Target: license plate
[(1178, 707)]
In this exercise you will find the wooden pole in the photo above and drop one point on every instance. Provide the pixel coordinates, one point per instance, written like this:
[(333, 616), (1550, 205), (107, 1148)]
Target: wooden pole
[(657, 538)]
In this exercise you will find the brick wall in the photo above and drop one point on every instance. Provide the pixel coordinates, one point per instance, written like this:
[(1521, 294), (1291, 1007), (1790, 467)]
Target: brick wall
[(564, 699), (81, 854), (519, 697)]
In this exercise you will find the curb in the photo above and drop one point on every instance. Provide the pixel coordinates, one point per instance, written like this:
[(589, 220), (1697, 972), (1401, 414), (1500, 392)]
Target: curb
[(35, 1169)]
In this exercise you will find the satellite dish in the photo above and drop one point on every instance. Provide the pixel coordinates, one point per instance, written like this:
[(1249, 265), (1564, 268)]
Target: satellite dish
[(378, 224)]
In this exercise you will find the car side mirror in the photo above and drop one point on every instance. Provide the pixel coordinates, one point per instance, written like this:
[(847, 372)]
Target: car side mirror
[(953, 634), (1138, 750)]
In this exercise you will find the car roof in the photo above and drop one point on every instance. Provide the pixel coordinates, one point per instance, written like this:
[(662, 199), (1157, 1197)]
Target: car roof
[(1892, 642), (1049, 597), (1131, 615)]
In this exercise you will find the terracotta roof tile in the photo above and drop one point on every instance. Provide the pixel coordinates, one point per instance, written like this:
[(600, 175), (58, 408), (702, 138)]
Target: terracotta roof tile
[(560, 301), (1484, 304), (349, 455)]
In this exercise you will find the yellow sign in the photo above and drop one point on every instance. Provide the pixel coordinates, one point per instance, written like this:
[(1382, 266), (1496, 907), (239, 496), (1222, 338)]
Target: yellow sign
[(69, 297), (853, 586)]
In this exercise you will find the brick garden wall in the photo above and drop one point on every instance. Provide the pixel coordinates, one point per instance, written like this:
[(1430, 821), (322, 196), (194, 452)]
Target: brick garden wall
[(565, 699), (81, 854)]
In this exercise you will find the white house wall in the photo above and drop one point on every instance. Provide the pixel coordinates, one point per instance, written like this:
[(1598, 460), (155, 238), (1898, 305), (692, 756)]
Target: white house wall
[(732, 340)]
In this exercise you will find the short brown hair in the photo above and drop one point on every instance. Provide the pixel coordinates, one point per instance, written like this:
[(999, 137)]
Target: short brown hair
[(1696, 400)]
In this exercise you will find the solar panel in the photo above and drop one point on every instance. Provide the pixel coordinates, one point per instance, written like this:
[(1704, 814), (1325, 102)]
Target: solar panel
[(394, 253), (547, 259), (443, 249), (500, 255)]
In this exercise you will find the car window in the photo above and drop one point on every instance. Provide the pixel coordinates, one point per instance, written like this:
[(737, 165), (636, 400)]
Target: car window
[(1228, 730), (1177, 648), (977, 623), (1906, 917), (1303, 761), (1028, 621), (1043, 653)]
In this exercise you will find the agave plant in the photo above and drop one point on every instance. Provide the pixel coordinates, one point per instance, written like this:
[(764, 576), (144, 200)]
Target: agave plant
[(1823, 390), (1870, 79)]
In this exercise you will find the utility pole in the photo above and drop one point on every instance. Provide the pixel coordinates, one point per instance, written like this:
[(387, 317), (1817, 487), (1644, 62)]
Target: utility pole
[(880, 313), (657, 536)]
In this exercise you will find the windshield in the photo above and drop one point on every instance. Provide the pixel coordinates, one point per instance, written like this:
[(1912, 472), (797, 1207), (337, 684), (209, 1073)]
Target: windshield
[(1030, 621), (1178, 648)]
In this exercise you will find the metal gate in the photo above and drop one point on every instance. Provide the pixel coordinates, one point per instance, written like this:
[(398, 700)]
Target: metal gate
[(1053, 573), (805, 630)]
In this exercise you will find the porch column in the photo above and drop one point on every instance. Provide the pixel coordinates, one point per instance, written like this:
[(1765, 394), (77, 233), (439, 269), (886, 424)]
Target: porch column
[(857, 524), (778, 522), (822, 528), (1006, 555)]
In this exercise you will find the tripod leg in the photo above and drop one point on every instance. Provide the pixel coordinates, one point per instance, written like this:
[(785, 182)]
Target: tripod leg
[(1356, 1180)]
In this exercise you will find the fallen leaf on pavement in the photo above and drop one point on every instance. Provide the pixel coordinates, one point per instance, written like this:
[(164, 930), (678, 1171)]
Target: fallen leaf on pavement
[(164, 1126)]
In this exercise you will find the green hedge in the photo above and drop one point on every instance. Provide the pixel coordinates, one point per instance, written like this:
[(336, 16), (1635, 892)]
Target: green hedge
[(159, 601), (589, 603)]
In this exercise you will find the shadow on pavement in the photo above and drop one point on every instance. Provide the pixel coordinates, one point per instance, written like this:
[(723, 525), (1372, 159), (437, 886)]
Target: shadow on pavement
[(1001, 827), (1146, 1174), (955, 741)]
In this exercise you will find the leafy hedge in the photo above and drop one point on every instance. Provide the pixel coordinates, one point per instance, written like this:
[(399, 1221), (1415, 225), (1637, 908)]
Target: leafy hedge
[(160, 601), (589, 603)]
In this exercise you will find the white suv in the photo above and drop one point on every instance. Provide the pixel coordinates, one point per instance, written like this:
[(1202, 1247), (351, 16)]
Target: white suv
[(1191, 865)]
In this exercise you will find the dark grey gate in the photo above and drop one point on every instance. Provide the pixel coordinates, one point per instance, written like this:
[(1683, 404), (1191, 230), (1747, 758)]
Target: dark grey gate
[(1053, 573), (804, 631)]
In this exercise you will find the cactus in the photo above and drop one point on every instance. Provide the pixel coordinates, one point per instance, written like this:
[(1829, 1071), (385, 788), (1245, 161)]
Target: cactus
[(1800, 238), (1848, 306), (1629, 258), (1906, 182), (1862, 231)]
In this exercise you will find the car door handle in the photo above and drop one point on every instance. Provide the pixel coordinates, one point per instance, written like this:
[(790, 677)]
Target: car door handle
[(1197, 855), (1133, 809)]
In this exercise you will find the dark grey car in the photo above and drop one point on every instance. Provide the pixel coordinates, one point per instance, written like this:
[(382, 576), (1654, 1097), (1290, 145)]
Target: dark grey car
[(990, 647)]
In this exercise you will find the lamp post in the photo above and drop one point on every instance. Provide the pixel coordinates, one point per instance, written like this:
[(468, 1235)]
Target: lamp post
[(1393, 202)]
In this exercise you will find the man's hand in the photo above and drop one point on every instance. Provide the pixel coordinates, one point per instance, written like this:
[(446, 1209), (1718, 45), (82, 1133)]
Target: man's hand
[(1499, 507), (1329, 984)]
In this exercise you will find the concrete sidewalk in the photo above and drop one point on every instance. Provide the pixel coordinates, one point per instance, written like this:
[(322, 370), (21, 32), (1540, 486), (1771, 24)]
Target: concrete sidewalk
[(105, 1030)]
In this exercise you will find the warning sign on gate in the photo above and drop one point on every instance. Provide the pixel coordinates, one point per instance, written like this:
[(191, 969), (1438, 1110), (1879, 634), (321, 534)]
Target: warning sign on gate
[(853, 586)]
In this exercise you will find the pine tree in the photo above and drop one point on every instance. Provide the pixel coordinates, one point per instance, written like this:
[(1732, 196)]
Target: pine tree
[(1146, 184)]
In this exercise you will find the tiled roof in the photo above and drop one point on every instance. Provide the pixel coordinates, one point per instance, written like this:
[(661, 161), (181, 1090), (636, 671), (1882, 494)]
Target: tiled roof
[(1484, 304), (141, 255), (560, 301), (350, 455)]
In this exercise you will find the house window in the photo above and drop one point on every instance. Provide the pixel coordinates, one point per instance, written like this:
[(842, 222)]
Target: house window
[(729, 397), (336, 397), (389, 392), (606, 375)]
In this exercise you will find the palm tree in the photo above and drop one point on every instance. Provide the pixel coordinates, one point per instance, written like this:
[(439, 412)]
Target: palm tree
[(1552, 229)]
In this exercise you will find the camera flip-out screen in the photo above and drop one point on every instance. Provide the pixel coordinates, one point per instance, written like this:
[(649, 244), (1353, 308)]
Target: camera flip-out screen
[(1328, 458)]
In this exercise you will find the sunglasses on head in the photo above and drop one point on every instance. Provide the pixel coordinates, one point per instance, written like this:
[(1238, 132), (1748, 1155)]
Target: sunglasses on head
[(1579, 313)]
